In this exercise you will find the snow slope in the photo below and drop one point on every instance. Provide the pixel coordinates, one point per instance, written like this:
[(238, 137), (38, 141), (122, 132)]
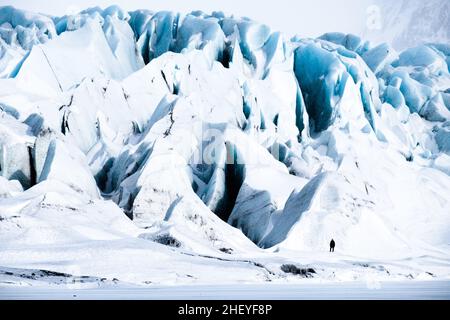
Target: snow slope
[(156, 148)]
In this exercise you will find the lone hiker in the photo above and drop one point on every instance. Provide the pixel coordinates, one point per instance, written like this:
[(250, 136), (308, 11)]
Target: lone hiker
[(332, 245)]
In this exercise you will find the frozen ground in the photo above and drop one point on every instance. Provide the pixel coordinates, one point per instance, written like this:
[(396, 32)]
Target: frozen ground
[(409, 290), (138, 262)]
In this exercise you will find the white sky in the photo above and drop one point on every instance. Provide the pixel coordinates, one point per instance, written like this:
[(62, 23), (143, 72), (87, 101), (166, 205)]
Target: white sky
[(308, 18)]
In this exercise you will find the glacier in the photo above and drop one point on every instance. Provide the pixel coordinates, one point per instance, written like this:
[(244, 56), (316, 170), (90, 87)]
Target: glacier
[(166, 148)]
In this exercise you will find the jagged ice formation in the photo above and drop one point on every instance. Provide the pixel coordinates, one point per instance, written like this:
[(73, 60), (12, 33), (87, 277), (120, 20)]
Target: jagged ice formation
[(217, 131)]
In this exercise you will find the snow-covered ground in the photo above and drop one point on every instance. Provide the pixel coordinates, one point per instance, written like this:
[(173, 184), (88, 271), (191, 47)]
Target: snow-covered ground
[(158, 149), (144, 263)]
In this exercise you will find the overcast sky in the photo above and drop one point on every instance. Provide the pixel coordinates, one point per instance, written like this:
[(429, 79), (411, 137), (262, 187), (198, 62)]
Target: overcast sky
[(309, 18)]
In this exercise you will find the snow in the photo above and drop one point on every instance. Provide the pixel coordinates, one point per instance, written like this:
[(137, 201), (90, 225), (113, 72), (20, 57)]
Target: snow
[(199, 149), (58, 158)]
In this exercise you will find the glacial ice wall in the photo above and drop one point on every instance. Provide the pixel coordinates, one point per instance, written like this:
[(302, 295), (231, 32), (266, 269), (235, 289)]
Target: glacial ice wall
[(204, 122)]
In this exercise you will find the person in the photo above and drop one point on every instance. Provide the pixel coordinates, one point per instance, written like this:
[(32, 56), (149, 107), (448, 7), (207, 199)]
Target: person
[(332, 245)]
